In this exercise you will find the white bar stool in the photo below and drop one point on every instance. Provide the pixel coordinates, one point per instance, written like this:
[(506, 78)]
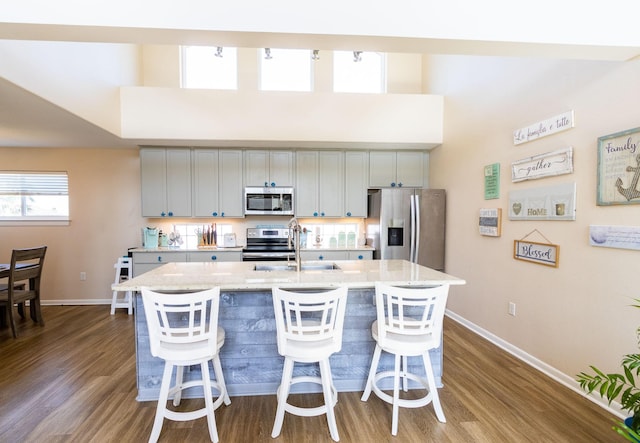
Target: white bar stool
[(123, 263), (183, 331), (309, 328), (409, 323)]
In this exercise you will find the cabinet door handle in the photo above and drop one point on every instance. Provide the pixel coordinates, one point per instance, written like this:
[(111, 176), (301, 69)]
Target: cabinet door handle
[(162, 214), (222, 214), (215, 214), (213, 257), (159, 259), (400, 184), (393, 185), (349, 214), (170, 214), (321, 257), (360, 257), (322, 214), (315, 214), (273, 184)]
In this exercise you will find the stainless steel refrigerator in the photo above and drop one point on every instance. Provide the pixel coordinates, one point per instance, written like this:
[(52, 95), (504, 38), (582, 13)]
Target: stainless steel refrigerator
[(407, 224)]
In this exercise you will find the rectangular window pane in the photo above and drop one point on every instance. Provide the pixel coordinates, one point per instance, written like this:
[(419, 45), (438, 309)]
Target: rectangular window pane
[(209, 67), (286, 70), (34, 196), (366, 75)]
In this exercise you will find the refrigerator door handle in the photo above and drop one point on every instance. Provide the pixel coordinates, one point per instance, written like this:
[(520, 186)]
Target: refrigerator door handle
[(412, 254), (417, 229)]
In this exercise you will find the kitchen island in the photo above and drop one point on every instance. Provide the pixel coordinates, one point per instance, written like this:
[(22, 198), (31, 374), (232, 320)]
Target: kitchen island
[(250, 360)]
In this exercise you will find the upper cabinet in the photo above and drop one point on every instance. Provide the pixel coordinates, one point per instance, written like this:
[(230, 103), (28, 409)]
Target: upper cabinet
[(390, 169), (320, 184), (165, 182), (217, 183), (356, 165), (269, 168)]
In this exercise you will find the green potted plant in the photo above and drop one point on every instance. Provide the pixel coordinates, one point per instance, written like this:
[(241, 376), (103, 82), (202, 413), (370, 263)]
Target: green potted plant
[(624, 386)]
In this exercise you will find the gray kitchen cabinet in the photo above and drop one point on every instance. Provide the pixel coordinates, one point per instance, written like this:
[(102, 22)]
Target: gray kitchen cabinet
[(397, 169), (320, 184), (165, 182), (146, 261), (269, 168), (359, 255), (215, 255), (356, 165), (217, 183)]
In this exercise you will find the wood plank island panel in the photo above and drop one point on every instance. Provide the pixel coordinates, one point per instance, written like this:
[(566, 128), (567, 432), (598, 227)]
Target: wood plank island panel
[(250, 359)]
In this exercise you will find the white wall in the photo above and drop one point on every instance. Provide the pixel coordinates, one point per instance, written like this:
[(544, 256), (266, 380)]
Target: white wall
[(574, 315)]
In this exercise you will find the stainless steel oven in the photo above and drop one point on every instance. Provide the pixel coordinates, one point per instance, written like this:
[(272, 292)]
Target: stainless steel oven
[(268, 244), (268, 201)]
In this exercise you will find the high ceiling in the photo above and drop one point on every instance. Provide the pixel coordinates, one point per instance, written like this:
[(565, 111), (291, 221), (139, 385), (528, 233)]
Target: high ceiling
[(545, 29)]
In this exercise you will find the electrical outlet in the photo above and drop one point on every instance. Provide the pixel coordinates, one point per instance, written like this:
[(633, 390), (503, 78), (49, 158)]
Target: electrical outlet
[(512, 308), (83, 276)]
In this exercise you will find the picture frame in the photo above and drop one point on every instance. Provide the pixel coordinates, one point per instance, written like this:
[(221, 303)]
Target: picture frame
[(619, 168), (546, 254), (490, 222), (543, 165)]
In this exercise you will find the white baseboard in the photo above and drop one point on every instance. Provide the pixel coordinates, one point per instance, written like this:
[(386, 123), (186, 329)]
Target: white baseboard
[(83, 302), (541, 366)]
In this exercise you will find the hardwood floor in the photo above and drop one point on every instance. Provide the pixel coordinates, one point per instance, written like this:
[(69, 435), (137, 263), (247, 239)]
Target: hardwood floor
[(73, 380)]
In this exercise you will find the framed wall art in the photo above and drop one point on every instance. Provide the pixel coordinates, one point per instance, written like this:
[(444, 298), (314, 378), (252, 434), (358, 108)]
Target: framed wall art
[(546, 254), (557, 202), (619, 168), (543, 165), (490, 222)]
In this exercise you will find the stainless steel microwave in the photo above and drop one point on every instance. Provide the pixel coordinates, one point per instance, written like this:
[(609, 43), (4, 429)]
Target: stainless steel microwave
[(268, 201)]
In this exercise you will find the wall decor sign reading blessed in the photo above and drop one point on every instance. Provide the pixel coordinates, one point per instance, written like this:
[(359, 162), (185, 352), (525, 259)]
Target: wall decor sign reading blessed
[(543, 165), (619, 168), (544, 128), (541, 253), (556, 202)]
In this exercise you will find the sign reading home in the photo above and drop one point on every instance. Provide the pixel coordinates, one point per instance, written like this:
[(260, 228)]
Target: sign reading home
[(544, 128), (543, 165), (541, 253), (556, 202)]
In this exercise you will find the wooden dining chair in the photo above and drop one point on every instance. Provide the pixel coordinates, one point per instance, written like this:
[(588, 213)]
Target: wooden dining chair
[(26, 264)]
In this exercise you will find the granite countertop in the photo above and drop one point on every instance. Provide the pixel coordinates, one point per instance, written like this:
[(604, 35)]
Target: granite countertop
[(243, 276)]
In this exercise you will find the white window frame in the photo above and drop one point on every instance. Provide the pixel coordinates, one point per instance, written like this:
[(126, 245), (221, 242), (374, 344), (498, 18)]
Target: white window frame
[(34, 183), (207, 56), (366, 58)]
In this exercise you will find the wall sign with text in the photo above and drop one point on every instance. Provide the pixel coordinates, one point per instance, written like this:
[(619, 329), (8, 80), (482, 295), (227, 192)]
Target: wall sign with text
[(544, 128), (543, 165), (556, 202), (490, 222), (541, 253), (619, 168)]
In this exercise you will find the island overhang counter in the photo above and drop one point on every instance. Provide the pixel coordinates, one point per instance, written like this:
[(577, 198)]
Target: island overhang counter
[(250, 360)]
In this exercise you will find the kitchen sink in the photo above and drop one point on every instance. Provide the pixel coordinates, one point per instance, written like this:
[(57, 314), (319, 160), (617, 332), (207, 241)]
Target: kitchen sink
[(304, 267)]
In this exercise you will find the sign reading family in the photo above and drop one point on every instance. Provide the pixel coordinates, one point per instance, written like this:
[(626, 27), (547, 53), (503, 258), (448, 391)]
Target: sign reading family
[(546, 127)]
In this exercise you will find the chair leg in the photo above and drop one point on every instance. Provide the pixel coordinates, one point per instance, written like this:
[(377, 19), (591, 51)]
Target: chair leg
[(372, 373), (217, 370), (162, 402), (114, 299), (405, 369), (208, 401), (129, 297), (177, 397), (36, 312), (12, 320), (329, 400), (396, 395), (433, 389), (282, 395)]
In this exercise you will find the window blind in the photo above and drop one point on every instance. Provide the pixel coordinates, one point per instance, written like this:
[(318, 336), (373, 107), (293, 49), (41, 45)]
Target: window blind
[(36, 183)]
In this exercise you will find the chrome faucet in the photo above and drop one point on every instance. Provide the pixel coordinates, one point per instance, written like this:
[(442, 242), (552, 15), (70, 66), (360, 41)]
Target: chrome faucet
[(295, 227)]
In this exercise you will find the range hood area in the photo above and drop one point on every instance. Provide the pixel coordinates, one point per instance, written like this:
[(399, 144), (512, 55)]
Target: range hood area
[(218, 118)]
